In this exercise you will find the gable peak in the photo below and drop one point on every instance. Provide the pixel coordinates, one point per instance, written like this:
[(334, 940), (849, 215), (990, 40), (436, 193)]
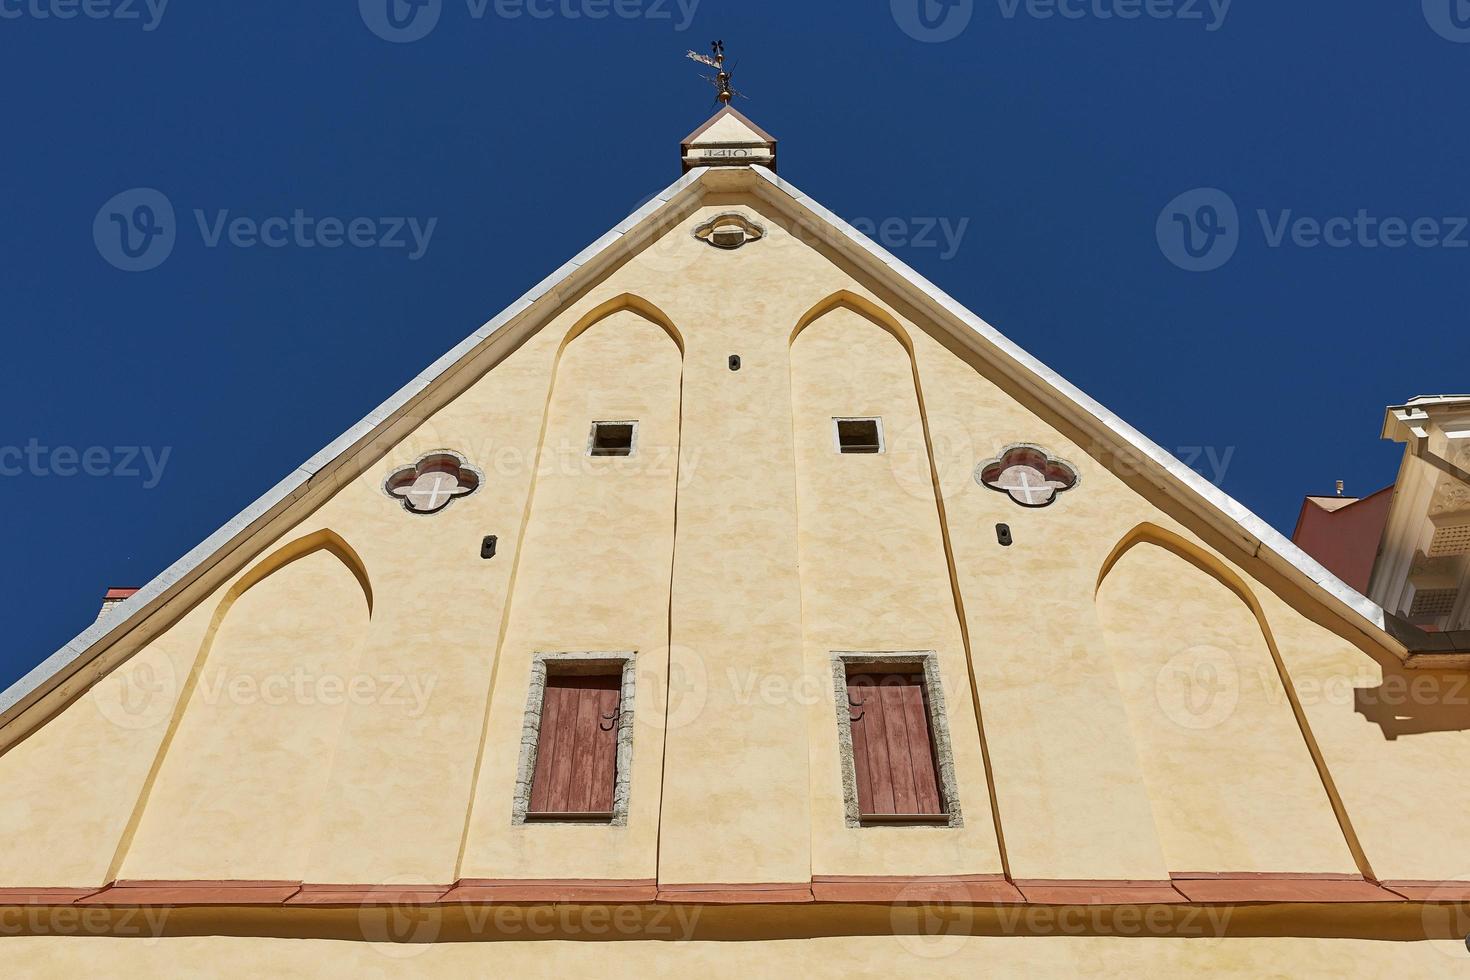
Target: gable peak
[(728, 139)]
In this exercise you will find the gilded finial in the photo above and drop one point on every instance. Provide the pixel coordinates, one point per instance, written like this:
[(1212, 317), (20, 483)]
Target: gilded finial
[(721, 78)]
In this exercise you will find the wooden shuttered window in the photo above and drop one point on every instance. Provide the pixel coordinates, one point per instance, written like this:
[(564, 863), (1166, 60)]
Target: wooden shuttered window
[(577, 748), (893, 749)]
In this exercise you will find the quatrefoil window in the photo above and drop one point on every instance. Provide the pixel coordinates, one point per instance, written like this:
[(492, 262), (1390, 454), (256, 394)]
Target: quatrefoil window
[(729, 231), (1029, 474), (432, 483)]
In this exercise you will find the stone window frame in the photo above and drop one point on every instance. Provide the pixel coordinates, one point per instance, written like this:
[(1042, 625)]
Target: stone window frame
[(877, 421), (926, 661), (592, 438), (543, 665)]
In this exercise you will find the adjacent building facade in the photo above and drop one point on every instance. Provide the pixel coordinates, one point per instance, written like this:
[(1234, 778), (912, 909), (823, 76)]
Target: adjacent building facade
[(1407, 547), (737, 602)]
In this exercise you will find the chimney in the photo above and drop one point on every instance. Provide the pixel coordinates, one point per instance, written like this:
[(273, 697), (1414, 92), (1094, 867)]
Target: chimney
[(113, 598)]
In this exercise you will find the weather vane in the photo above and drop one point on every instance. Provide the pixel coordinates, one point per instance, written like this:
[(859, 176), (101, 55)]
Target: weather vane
[(721, 79)]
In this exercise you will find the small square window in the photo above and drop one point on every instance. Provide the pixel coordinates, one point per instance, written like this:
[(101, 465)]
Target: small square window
[(859, 435), (612, 439)]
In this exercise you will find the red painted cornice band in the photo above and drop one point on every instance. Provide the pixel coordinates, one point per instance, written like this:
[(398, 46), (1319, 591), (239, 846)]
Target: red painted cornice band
[(1192, 888)]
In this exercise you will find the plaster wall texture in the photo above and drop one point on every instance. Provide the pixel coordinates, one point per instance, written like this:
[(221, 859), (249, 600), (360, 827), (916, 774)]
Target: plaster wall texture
[(1204, 698), (247, 737), (844, 957), (754, 558)]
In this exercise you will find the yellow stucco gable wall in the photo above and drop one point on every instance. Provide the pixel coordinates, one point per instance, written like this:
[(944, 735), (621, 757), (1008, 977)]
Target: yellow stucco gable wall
[(753, 553)]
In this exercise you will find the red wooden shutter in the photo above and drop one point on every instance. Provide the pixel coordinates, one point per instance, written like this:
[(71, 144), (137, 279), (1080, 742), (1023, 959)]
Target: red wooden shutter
[(893, 746), (577, 749)]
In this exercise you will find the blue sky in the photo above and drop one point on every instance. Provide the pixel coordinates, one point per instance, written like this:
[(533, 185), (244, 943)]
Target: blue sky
[(1241, 226)]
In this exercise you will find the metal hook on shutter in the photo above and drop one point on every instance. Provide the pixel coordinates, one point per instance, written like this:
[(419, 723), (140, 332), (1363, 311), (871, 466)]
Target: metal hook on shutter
[(612, 717)]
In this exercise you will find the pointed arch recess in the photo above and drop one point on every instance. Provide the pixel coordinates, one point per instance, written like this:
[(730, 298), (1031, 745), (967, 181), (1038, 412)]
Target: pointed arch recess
[(883, 318), (866, 308), (1213, 566), (622, 302), (325, 540)]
